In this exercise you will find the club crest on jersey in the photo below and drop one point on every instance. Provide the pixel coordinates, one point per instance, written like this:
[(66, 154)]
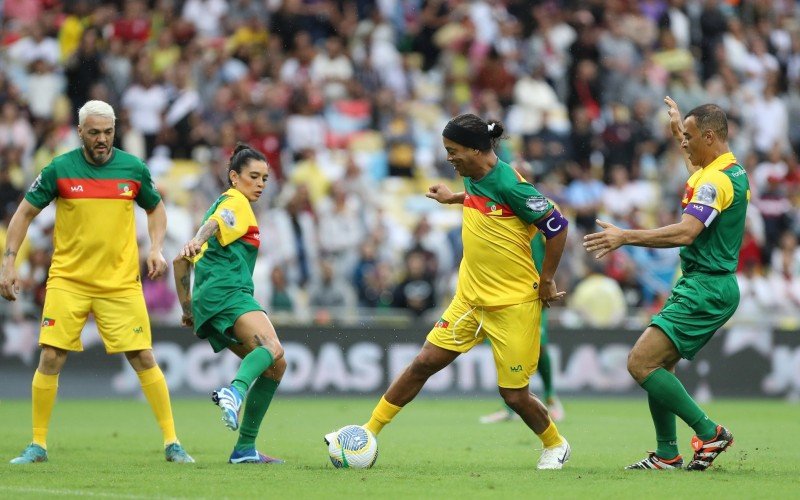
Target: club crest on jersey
[(124, 189), (537, 203), (706, 194), (228, 216)]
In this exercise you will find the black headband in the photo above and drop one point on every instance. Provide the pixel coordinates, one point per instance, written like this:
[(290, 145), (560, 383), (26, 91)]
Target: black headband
[(467, 137)]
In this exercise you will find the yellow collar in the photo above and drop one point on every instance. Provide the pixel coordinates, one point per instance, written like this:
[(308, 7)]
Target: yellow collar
[(721, 162)]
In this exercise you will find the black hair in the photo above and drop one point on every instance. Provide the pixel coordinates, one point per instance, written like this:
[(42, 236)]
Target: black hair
[(242, 154), (711, 117), (476, 125)]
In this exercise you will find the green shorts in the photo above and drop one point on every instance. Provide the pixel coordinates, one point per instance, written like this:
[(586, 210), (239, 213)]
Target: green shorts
[(218, 329), (699, 305)]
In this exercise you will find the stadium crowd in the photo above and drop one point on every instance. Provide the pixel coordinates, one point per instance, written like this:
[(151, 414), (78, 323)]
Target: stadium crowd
[(347, 99)]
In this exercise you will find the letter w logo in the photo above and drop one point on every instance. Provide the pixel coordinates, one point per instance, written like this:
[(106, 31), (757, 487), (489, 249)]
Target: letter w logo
[(76, 189)]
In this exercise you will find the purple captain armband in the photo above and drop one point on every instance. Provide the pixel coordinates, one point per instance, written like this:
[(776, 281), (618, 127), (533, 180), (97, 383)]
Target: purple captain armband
[(703, 213), (552, 224)]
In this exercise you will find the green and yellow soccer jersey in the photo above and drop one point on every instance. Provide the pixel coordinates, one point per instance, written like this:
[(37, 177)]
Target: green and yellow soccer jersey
[(226, 262), (94, 239), (499, 211), (717, 195)]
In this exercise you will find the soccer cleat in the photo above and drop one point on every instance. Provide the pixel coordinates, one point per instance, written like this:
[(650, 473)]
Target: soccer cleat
[(252, 456), (654, 462), (174, 452), (555, 409), (31, 454), (555, 457), (706, 451), (229, 400), (503, 415)]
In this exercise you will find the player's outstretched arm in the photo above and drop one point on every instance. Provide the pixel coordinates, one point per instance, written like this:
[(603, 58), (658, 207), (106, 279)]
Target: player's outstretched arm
[(442, 194), (182, 269), (157, 228), (17, 229), (676, 126), (611, 237)]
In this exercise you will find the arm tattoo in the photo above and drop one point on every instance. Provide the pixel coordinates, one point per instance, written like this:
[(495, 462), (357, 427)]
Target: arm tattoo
[(206, 231), (186, 306), (185, 282), (9, 253)]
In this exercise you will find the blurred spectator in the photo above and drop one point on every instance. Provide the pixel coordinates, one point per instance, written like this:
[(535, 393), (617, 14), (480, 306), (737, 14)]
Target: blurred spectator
[(416, 292), (598, 299), (332, 296), (584, 195)]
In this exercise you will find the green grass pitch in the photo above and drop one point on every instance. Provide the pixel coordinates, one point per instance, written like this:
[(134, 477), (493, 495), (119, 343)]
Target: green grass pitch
[(435, 448)]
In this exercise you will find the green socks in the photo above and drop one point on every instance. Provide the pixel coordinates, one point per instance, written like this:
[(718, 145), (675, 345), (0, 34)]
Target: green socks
[(256, 406), (666, 431), (667, 390), (546, 371), (253, 365)]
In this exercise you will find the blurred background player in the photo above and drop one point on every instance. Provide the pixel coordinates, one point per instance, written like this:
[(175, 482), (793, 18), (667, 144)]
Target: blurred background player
[(544, 368), (222, 308), (94, 269)]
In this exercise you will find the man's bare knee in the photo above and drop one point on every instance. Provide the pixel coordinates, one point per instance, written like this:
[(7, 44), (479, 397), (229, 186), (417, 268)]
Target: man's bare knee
[(51, 360), (514, 398)]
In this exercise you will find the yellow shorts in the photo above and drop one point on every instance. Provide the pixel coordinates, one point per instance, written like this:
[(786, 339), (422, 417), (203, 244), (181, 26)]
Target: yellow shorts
[(123, 322), (513, 332)]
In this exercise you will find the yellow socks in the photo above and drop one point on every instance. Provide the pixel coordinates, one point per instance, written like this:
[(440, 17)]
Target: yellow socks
[(43, 396), (550, 437), (383, 413), (154, 386)]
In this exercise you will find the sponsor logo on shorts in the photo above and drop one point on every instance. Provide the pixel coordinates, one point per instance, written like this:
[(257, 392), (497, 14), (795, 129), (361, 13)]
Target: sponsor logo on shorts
[(48, 322), (138, 329), (516, 369), (441, 323)]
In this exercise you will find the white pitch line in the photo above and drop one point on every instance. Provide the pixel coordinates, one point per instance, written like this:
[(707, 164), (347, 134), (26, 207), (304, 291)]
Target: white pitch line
[(82, 493)]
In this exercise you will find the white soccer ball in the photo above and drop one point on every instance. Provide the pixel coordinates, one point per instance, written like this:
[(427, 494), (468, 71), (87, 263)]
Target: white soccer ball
[(352, 447)]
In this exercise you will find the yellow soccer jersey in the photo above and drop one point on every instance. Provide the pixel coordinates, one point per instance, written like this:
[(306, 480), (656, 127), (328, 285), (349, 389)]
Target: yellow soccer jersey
[(95, 250), (499, 212), (717, 195)]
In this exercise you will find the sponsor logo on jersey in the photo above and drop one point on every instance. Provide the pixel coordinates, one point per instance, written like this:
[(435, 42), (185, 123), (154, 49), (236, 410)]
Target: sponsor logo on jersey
[(516, 369), (76, 189), (228, 217), (138, 329), (48, 322), (537, 203)]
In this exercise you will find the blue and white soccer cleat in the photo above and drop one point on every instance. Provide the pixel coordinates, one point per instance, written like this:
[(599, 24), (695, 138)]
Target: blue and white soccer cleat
[(252, 456), (229, 400), (32, 454), (174, 452)]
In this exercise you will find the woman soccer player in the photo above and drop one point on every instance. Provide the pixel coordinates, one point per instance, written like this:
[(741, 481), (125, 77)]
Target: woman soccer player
[(222, 308)]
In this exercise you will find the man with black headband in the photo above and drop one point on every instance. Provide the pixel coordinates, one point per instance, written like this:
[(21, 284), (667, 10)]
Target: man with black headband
[(500, 294)]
